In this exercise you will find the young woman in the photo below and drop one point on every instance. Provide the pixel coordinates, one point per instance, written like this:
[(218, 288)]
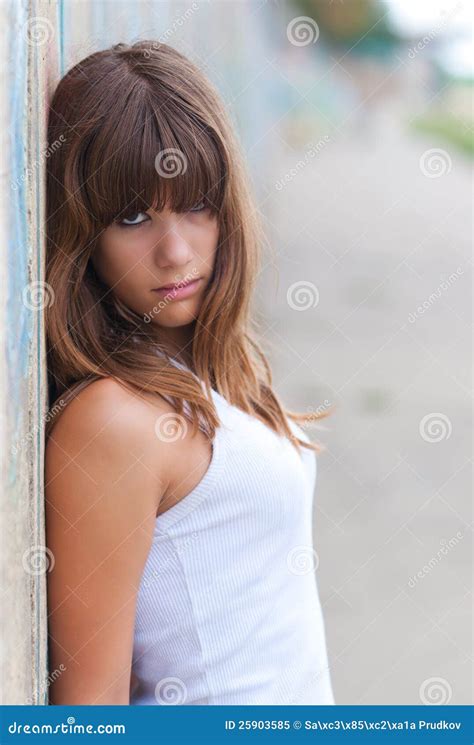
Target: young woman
[(178, 489)]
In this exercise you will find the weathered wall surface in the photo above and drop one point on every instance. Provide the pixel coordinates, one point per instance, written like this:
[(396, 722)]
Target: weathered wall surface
[(29, 65)]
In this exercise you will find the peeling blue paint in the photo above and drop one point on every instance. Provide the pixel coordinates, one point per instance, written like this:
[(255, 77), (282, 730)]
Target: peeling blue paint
[(19, 320), (60, 27), (39, 255)]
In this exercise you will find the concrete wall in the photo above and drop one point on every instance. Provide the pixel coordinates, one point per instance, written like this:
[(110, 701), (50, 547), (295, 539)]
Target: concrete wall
[(29, 67)]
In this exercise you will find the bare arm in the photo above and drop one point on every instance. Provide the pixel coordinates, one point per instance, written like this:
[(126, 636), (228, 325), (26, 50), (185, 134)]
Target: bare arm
[(103, 485)]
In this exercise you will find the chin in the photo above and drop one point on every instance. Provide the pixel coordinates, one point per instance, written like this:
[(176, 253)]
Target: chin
[(179, 317)]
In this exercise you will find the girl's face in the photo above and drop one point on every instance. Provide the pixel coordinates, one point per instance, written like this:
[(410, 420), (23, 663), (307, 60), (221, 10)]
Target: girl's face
[(151, 250)]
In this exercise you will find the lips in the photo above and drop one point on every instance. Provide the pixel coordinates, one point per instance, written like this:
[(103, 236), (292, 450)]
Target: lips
[(179, 291), (177, 285)]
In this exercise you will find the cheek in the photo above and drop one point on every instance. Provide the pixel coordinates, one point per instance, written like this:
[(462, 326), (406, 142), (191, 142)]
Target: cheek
[(118, 268), (209, 244), (114, 260)]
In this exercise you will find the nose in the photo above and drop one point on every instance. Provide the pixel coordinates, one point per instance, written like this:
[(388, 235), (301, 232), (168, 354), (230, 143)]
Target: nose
[(172, 250)]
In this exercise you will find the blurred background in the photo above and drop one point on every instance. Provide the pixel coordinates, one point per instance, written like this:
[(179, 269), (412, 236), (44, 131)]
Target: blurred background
[(356, 120)]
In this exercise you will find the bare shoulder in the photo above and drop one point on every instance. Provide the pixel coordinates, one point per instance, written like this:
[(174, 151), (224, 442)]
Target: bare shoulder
[(108, 417), (108, 406), (105, 441), (107, 435)]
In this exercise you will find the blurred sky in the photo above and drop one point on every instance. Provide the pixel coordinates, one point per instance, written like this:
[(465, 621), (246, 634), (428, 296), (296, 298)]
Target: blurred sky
[(454, 18)]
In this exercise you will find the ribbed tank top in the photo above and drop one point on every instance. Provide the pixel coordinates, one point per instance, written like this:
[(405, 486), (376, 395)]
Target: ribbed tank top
[(228, 610)]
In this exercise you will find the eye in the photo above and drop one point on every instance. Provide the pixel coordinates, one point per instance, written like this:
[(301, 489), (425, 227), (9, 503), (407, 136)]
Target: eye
[(134, 219)]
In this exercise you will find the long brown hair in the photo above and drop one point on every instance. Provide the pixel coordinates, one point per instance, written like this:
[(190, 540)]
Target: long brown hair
[(114, 112)]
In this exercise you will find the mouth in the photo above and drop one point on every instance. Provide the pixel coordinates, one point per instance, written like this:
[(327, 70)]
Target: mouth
[(179, 290)]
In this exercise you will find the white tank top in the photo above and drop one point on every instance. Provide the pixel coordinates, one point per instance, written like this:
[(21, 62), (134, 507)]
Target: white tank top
[(228, 610)]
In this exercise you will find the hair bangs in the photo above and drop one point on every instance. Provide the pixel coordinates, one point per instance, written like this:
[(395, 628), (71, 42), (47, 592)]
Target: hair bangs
[(157, 156)]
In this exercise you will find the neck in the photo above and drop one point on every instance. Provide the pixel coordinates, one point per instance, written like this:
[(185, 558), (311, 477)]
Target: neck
[(178, 342)]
